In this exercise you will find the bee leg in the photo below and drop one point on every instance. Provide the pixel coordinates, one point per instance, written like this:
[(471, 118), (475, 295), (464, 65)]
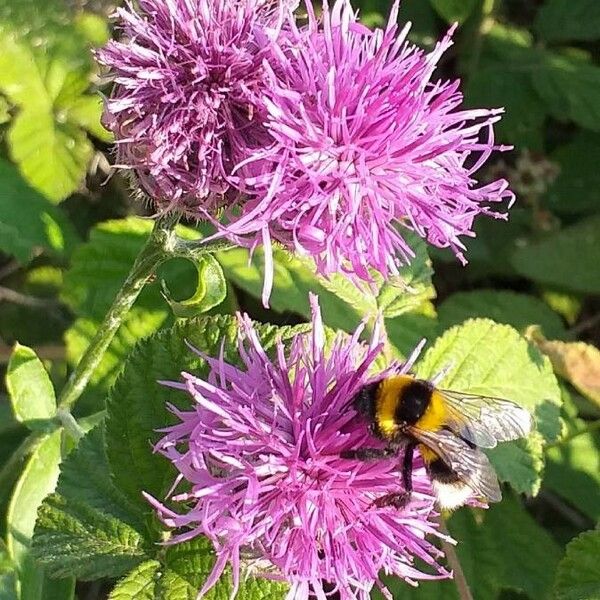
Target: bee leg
[(401, 499), (369, 453)]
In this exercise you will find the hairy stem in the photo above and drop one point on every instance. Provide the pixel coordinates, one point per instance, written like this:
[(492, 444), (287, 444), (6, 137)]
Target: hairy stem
[(460, 580), (156, 250)]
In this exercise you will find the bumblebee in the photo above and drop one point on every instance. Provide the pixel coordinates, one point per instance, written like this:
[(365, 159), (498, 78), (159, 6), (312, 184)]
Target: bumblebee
[(448, 428)]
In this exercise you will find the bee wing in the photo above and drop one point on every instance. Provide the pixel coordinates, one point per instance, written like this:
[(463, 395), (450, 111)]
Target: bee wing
[(484, 420), (470, 464)]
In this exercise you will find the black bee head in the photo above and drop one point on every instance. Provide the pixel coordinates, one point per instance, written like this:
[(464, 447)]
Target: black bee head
[(364, 401)]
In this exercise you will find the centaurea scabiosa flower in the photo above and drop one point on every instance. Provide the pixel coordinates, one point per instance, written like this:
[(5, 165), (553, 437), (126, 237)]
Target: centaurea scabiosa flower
[(187, 101), (367, 142), (260, 450)]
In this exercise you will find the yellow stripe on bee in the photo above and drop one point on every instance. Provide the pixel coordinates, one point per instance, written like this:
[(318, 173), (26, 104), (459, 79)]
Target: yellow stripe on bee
[(388, 395), (435, 415), (427, 454)]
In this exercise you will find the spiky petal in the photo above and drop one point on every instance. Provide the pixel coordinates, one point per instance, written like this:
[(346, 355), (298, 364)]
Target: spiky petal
[(260, 450)]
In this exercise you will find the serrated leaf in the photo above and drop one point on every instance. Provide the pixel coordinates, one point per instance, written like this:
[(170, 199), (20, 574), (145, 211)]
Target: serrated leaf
[(567, 259), (342, 302), (137, 404), (140, 584), (88, 528), (407, 330), (292, 282), (100, 267), (570, 88), (183, 572), (499, 549), (37, 480), (44, 68), (28, 222), (399, 294), (153, 581), (454, 10), (576, 190), (561, 20), (578, 574), (483, 357), (52, 156), (502, 306), (138, 324), (31, 392)]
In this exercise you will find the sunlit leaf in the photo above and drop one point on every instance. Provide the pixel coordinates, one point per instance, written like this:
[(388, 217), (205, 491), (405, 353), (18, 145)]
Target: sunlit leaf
[(485, 358), (30, 389)]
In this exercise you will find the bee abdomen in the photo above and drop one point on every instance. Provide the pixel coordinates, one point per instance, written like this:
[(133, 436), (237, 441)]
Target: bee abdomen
[(442, 472)]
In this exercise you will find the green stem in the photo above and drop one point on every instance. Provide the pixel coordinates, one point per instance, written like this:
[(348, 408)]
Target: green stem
[(157, 249), (162, 244)]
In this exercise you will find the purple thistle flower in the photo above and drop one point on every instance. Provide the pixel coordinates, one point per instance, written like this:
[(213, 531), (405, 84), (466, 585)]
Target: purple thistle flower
[(365, 143), (260, 450), (188, 98)]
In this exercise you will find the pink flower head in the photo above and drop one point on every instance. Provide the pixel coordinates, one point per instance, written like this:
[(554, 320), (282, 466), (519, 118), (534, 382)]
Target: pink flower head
[(187, 101), (260, 450), (366, 143)]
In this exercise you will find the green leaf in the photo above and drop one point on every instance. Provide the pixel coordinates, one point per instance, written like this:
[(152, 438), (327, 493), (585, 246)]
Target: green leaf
[(137, 404), (210, 291), (577, 188), (343, 304), (140, 584), (29, 324), (31, 392), (407, 330), (499, 549), (496, 84), (100, 267), (573, 470), (52, 156), (571, 89), (567, 259), (184, 570), (292, 281), (138, 324), (37, 480), (28, 222), (502, 306), (86, 111), (93, 28), (8, 575), (578, 574), (561, 20), (4, 110), (454, 10), (44, 69), (88, 528), (486, 358)]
